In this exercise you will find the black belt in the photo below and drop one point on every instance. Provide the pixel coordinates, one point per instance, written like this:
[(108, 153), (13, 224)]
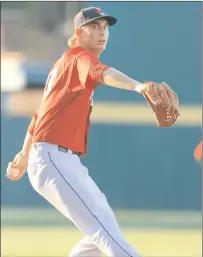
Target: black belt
[(66, 150)]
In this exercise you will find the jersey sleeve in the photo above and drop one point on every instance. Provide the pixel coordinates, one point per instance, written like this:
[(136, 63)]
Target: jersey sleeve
[(31, 126), (90, 70)]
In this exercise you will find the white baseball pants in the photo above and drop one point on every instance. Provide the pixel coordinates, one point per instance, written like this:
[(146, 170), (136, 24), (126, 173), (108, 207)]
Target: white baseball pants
[(64, 182)]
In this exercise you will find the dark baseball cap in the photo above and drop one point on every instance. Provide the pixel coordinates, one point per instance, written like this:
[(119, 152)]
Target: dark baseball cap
[(90, 14)]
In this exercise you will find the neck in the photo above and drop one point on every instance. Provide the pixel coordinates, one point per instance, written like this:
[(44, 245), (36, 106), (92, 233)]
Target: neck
[(96, 52)]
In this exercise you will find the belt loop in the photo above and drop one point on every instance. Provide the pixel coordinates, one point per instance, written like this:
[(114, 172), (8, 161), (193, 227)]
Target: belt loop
[(62, 149)]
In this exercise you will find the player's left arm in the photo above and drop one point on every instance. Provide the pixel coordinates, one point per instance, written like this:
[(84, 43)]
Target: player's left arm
[(90, 67), (114, 78), (160, 97)]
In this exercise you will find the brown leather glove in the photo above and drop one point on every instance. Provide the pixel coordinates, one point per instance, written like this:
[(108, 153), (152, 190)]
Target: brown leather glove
[(163, 101)]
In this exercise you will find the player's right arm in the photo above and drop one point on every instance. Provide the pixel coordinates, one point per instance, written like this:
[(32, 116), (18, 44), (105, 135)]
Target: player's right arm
[(20, 161)]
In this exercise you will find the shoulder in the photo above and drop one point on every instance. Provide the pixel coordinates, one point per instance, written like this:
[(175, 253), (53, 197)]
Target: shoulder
[(80, 56), (77, 51)]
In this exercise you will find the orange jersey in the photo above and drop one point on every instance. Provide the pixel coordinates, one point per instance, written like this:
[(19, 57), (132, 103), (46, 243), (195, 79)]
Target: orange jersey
[(63, 115), (198, 152)]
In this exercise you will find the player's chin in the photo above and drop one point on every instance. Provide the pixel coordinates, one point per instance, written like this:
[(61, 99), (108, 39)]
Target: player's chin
[(101, 47)]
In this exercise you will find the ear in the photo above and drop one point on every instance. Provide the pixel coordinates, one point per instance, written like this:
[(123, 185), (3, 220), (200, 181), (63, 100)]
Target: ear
[(78, 33)]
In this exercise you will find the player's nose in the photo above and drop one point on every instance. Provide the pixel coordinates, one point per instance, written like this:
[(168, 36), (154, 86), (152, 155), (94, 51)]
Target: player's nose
[(102, 31)]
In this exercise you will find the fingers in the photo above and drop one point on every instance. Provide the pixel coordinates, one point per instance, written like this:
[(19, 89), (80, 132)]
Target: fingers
[(163, 94), (12, 177), (170, 94), (152, 92), (13, 172), (12, 165), (176, 100)]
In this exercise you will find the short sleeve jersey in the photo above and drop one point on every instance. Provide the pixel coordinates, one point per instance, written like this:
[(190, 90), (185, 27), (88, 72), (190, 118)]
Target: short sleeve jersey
[(63, 117)]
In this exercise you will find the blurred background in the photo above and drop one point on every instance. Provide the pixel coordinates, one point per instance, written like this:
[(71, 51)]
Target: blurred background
[(149, 175)]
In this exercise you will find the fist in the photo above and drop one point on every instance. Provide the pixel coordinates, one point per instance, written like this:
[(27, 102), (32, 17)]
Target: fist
[(13, 172), (17, 167)]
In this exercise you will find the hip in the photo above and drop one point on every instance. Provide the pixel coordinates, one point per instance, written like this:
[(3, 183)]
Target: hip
[(47, 160)]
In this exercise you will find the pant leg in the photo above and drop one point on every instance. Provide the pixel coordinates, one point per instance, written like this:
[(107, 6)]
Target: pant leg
[(85, 248), (63, 181)]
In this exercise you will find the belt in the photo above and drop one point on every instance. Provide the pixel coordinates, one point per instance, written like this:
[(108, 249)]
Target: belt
[(66, 150)]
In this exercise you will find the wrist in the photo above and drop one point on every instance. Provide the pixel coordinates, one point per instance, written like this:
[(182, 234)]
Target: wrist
[(27, 143), (25, 152), (140, 87)]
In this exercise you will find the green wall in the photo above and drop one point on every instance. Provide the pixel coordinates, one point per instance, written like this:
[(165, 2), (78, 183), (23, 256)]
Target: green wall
[(123, 162), (159, 41)]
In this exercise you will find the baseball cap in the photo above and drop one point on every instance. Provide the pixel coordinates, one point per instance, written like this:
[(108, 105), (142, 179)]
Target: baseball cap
[(90, 14)]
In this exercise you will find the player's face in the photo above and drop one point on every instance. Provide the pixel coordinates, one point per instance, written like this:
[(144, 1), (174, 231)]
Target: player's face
[(95, 35)]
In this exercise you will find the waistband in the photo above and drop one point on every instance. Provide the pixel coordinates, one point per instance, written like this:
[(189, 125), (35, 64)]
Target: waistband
[(55, 148)]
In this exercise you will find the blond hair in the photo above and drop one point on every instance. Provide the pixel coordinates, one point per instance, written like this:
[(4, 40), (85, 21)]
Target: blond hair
[(73, 41)]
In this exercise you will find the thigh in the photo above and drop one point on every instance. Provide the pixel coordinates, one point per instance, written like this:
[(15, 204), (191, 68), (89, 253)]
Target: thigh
[(102, 200), (88, 194), (65, 183)]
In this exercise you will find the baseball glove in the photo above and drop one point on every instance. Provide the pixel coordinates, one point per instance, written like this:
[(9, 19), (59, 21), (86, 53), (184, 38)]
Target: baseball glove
[(163, 101)]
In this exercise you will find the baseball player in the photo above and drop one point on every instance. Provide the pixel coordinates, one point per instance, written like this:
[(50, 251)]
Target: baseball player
[(57, 136)]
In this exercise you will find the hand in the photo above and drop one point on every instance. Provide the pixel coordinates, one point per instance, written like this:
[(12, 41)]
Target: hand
[(164, 103), (152, 90), (17, 168)]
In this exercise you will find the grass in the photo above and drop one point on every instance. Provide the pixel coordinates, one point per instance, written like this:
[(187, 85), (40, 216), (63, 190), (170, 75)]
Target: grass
[(53, 241), (47, 233)]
